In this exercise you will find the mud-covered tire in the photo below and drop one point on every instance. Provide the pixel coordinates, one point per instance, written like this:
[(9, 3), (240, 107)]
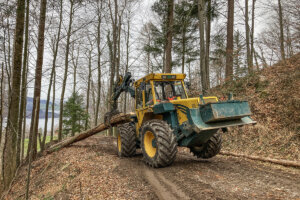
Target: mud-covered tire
[(126, 140), (164, 142), (211, 148)]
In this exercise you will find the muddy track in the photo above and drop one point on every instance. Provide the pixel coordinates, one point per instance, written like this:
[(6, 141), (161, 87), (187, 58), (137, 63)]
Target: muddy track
[(91, 169), (222, 177)]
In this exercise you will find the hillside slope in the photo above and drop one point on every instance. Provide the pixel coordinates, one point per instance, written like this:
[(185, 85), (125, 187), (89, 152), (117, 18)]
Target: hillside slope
[(274, 96)]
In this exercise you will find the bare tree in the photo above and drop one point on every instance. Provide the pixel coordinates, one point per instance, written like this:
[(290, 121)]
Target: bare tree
[(9, 164), (207, 49), (38, 78), (201, 12), (127, 57), (1, 101), (66, 69), (53, 106), (249, 63), (229, 47), (252, 54), (24, 84), (55, 51), (281, 31), (88, 85), (99, 15), (168, 66)]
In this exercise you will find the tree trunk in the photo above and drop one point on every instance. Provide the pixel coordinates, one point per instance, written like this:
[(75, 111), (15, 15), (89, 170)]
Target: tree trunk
[(118, 49), (24, 85), (53, 107), (7, 58), (252, 33), (55, 51), (127, 60), (183, 50), (1, 102), (75, 65), (190, 76), (88, 89), (281, 39), (98, 61), (30, 147), (201, 12), (66, 70), (112, 46), (115, 120), (38, 77), (112, 70), (249, 64), (112, 75), (9, 164), (229, 47), (207, 49), (168, 67), (24, 124), (255, 58), (287, 163)]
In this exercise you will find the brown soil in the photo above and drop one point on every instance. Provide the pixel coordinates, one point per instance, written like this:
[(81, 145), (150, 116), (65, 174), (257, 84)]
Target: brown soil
[(90, 169)]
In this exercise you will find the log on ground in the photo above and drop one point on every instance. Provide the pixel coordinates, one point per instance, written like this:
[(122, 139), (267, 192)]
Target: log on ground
[(115, 120), (287, 163)]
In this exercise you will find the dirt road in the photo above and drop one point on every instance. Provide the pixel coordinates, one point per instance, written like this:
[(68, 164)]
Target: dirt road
[(90, 169)]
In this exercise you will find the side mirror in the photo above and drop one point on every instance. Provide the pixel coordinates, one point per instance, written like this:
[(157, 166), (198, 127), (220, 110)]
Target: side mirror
[(188, 84)]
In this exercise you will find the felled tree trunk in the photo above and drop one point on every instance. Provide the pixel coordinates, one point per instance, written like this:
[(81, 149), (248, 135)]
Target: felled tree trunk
[(115, 120), (287, 163)]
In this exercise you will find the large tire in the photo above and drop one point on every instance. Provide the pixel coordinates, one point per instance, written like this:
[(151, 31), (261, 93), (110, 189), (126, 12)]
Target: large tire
[(126, 140), (158, 143), (211, 148)]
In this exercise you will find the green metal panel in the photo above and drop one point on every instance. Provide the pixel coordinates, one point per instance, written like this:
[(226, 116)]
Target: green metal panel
[(224, 111), (163, 108), (199, 125)]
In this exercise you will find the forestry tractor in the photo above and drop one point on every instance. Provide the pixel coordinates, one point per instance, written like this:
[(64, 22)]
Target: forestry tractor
[(165, 117)]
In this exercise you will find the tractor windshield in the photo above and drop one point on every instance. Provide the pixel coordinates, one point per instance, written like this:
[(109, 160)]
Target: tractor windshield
[(169, 90)]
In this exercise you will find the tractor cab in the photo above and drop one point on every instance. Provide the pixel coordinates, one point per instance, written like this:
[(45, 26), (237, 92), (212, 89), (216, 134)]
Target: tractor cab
[(156, 89)]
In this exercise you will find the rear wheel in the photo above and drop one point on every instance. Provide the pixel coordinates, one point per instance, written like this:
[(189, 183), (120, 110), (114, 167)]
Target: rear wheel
[(126, 140), (211, 148), (158, 143)]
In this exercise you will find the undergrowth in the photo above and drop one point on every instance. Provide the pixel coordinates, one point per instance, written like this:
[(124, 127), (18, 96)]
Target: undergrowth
[(274, 98)]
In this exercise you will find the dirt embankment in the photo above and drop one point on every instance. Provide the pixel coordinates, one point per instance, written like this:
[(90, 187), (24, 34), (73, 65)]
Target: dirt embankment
[(274, 97), (90, 169)]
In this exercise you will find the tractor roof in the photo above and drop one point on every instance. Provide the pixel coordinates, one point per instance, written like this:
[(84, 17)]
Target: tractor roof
[(161, 77)]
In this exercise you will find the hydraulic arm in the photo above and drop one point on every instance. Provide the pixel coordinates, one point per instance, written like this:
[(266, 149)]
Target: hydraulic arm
[(122, 85)]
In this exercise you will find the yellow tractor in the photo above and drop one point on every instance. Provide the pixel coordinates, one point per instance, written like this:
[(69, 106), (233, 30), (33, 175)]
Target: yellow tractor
[(166, 118)]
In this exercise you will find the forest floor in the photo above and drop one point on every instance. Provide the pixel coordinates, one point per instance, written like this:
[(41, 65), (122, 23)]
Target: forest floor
[(91, 169)]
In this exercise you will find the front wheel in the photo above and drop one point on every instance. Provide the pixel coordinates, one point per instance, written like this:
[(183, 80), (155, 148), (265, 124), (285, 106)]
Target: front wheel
[(126, 140), (211, 148), (158, 143)]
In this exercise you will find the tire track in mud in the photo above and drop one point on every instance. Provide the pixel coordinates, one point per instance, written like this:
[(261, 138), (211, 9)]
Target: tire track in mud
[(218, 178), (164, 188)]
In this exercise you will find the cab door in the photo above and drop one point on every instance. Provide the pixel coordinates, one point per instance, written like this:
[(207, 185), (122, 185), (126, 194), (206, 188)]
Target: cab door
[(144, 102), (139, 104)]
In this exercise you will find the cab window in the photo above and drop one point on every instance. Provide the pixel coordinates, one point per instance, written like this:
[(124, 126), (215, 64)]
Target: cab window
[(148, 95), (169, 90), (139, 97)]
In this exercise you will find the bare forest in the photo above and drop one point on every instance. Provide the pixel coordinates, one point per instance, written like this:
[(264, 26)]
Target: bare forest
[(60, 61)]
